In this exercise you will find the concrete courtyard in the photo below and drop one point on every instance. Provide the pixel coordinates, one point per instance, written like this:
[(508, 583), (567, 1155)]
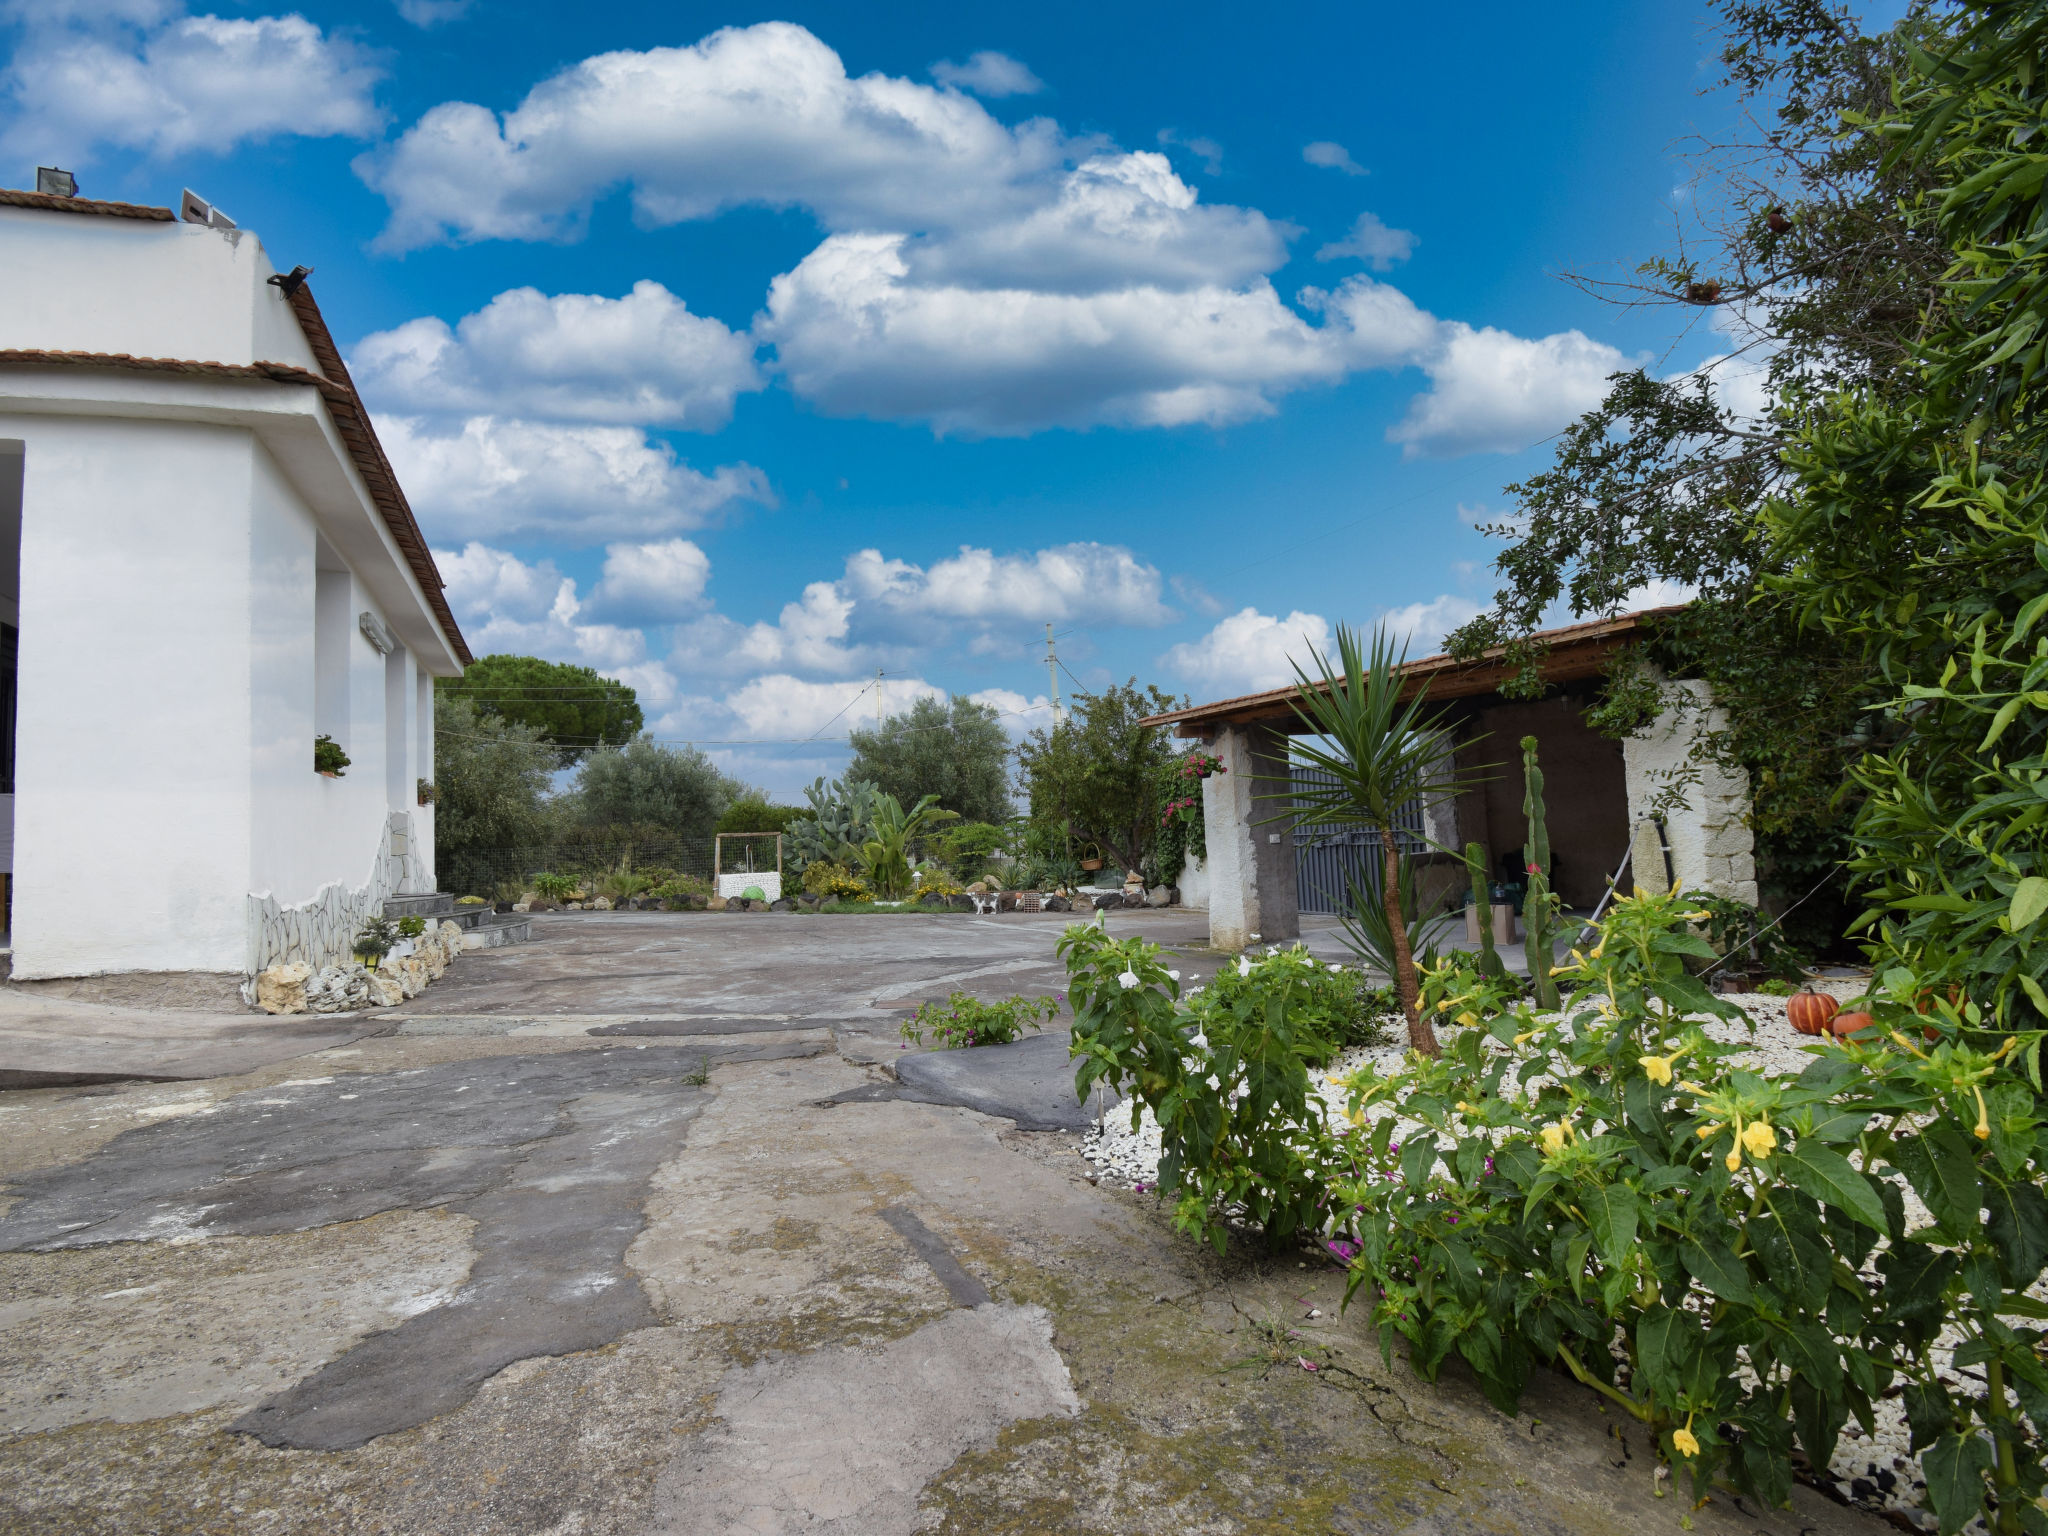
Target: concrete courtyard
[(648, 1227)]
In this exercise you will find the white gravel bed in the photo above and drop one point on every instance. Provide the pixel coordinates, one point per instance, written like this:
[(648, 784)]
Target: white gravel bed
[(1877, 1473)]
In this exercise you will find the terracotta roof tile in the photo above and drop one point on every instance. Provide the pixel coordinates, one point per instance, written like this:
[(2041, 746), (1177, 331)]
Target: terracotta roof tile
[(11, 198)]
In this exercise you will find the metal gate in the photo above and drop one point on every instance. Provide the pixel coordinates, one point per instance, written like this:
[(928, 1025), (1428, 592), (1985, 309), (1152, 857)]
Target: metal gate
[(1327, 859)]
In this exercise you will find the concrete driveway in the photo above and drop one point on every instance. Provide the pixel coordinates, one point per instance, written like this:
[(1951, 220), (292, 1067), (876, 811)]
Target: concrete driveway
[(633, 1230)]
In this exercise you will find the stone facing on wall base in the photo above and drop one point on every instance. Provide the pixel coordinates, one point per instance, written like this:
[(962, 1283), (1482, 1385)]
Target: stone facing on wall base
[(322, 932)]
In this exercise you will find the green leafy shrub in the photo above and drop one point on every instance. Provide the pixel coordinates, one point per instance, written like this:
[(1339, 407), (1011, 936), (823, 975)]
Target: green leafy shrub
[(328, 756), (550, 887), (678, 887), (964, 1020), (621, 884), (412, 925), (471, 901), (934, 881), (1724, 1256), (1227, 1079), (1333, 1006), (1744, 937)]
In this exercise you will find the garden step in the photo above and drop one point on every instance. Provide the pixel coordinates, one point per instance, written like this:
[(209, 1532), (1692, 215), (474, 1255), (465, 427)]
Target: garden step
[(423, 904), (496, 928)]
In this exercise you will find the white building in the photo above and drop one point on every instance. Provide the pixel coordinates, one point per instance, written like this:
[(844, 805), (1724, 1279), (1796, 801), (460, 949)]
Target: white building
[(208, 562)]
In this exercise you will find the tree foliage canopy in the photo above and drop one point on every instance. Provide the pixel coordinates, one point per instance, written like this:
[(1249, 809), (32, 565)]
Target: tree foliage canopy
[(1099, 771), (956, 750), (571, 706), (646, 784), (493, 778)]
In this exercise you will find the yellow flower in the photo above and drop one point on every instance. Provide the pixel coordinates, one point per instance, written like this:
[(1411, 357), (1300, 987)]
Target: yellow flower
[(1759, 1140), (1658, 1069), (1683, 1442), (1469, 1019), (1554, 1136), (1733, 1160), (1708, 1132), (1983, 1127)]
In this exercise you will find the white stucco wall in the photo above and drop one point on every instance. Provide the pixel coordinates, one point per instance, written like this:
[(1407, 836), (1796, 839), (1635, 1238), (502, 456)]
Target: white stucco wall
[(78, 283), (132, 777), (1712, 846), (1194, 884), (174, 530)]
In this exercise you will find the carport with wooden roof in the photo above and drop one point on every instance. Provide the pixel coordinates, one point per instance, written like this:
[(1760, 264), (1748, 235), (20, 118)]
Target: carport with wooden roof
[(1604, 798)]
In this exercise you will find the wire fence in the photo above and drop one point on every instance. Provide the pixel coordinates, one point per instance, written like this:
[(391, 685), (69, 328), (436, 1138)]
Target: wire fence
[(592, 855)]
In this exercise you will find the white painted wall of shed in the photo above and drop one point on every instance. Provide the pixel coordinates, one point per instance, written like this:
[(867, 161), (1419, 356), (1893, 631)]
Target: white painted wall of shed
[(78, 283), (1712, 846), (1194, 884)]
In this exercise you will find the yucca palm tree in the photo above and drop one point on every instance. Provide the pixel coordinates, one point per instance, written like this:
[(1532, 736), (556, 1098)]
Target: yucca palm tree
[(886, 856), (1381, 754)]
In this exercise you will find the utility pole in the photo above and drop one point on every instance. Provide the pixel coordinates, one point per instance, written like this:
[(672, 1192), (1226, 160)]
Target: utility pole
[(878, 700), (1052, 673)]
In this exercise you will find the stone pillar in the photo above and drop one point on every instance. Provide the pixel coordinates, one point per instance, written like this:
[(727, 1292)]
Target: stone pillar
[(1251, 859), (1707, 818)]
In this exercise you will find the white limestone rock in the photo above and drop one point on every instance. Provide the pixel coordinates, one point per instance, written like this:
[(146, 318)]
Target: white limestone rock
[(383, 991), (282, 988), (602, 904)]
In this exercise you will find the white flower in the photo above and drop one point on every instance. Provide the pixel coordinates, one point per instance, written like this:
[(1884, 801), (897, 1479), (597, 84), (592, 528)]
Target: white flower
[(1336, 967), (1244, 966), (1173, 975), (1128, 979), (1255, 938), (1214, 1082)]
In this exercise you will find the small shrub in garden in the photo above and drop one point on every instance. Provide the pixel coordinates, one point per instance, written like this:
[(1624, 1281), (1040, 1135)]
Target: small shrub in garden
[(1335, 1005), (1227, 1078), (964, 1020), (1603, 1189), (412, 925), (834, 882), (553, 887)]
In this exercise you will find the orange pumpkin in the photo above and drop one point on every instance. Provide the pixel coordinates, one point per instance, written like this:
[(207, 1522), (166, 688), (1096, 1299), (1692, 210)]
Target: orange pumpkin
[(1850, 1023), (1811, 1011)]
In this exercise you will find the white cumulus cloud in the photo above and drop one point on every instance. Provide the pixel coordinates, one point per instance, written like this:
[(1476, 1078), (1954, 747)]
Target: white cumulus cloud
[(654, 583), (498, 478), (779, 707), (990, 74), (431, 13), (1249, 651), (762, 116), (1371, 242), (151, 77), (1053, 584), (1495, 392), (643, 359), (1422, 626), (1331, 156), (507, 605)]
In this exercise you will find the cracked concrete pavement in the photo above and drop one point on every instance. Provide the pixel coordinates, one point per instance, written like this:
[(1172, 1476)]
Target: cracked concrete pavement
[(633, 1230)]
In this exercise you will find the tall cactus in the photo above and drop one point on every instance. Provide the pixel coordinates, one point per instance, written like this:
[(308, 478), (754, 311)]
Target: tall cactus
[(1538, 907), (1490, 962)]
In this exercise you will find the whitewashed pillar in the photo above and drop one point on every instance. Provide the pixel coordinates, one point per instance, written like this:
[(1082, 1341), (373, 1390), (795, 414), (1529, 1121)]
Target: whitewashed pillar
[(1251, 859), (1712, 846)]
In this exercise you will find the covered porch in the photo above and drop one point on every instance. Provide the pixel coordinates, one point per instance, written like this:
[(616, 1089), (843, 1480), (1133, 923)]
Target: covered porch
[(1605, 800)]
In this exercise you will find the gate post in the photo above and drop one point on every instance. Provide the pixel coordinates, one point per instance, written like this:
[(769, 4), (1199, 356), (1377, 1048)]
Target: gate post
[(1250, 862)]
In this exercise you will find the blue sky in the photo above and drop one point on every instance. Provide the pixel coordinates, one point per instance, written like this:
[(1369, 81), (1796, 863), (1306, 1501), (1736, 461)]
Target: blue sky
[(740, 351)]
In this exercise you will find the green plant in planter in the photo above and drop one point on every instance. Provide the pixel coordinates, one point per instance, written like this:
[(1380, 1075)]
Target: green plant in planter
[(1723, 1256), (328, 756), (428, 794), (412, 925), (376, 939)]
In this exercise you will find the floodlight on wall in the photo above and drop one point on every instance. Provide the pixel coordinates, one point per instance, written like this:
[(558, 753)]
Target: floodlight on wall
[(374, 631), (52, 182), (194, 209), (291, 282)]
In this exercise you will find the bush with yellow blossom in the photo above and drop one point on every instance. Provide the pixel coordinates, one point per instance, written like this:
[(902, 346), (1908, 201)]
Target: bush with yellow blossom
[(1725, 1256)]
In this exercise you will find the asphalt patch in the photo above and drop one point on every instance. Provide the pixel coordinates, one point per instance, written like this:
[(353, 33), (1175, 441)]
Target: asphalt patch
[(965, 1290), (1029, 1081), (551, 1155)]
